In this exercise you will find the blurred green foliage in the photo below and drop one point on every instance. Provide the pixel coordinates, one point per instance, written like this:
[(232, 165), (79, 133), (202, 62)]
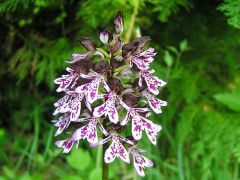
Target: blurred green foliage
[(198, 57)]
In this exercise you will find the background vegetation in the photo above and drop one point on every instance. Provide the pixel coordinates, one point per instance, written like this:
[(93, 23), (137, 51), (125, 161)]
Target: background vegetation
[(198, 44)]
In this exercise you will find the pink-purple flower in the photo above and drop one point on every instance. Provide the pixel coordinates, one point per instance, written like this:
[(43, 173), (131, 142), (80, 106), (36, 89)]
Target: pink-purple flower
[(91, 88), (152, 81), (66, 80), (154, 103), (140, 162), (116, 149), (109, 107), (140, 123), (89, 131), (143, 59)]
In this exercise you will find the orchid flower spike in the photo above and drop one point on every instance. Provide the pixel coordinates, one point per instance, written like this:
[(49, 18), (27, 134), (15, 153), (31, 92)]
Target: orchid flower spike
[(103, 97)]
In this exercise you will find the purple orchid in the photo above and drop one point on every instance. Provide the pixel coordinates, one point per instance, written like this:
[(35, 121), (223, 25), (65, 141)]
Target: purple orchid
[(77, 57), (116, 149), (108, 108), (140, 123), (97, 91), (140, 162), (62, 123), (66, 145), (152, 82), (154, 103), (65, 81), (72, 105), (142, 60), (91, 88), (89, 131)]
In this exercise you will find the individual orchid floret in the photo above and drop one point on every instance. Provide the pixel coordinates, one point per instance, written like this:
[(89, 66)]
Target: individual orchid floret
[(140, 123), (152, 81), (77, 57), (118, 22), (73, 106), (66, 145), (116, 149), (154, 103), (108, 108), (88, 44), (140, 162), (89, 131), (141, 60), (66, 80), (91, 88), (141, 42), (105, 36), (62, 123)]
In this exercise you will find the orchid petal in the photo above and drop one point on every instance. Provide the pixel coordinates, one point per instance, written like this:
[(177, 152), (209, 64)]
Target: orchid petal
[(65, 144), (75, 109), (102, 129), (110, 153), (61, 101), (100, 110), (126, 119), (137, 127), (105, 140), (93, 90), (80, 133), (112, 114), (122, 153), (92, 135)]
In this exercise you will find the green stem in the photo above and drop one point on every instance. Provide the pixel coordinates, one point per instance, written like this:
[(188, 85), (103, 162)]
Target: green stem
[(104, 165), (132, 21)]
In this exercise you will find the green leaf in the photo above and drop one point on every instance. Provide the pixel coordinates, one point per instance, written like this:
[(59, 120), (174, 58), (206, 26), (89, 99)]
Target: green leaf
[(9, 172), (231, 100), (173, 49), (184, 45), (79, 159), (95, 174), (119, 69), (168, 59), (231, 9), (71, 177), (25, 176)]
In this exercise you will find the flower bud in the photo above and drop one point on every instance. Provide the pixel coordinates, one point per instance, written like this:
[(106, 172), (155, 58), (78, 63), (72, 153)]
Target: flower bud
[(115, 85), (130, 99), (118, 22), (102, 67), (141, 41), (128, 50), (115, 46), (82, 66), (88, 44), (105, 37)]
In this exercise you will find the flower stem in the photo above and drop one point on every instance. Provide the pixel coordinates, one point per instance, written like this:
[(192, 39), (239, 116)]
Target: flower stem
[(104, 165), (132, 21)]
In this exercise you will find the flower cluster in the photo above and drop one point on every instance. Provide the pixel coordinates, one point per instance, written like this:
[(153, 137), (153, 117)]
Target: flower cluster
[(104, 89)]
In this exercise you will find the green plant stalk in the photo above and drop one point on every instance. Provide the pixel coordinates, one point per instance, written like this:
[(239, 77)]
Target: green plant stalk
[(132, 22), (104, 148), (104, 165)]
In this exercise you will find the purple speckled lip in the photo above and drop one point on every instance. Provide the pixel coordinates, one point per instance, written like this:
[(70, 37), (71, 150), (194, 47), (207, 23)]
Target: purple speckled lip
[(100, 100)]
